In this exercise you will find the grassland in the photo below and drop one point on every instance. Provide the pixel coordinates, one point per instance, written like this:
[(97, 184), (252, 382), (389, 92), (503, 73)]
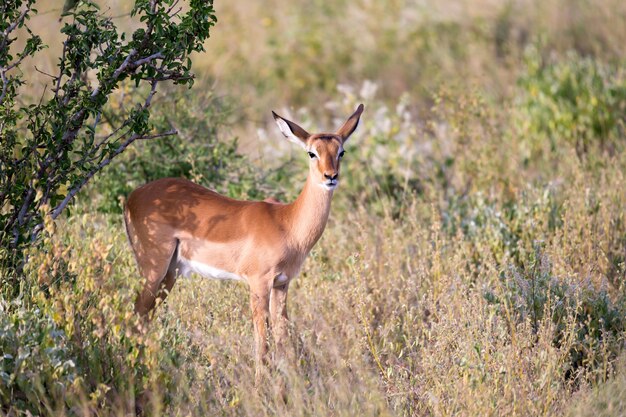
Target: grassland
[(475, 259)]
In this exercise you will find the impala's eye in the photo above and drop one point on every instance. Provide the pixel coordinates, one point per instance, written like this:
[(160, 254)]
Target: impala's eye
[(341, 154), (312, 155)]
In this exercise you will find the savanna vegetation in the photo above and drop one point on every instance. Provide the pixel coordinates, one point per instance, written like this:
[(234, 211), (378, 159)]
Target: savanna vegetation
[(475, 259)]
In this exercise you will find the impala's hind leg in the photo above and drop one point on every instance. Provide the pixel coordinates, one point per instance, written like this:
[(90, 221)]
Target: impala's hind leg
[(160, 275)]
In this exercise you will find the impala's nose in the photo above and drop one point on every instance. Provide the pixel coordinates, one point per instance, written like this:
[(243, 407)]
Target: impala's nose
[(331, 175)]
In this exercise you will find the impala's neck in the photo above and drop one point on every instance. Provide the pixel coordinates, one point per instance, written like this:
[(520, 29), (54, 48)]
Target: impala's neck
[(309, 214)]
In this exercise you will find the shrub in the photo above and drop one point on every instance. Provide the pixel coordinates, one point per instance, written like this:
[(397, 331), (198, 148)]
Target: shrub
[(595, 321), (36, 366), (578, 100)]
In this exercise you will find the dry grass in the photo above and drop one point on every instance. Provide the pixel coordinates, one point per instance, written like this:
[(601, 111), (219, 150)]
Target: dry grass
[(390, 316)]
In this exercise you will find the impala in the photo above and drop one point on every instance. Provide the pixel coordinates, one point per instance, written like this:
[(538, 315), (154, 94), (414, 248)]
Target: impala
[(177, 227)]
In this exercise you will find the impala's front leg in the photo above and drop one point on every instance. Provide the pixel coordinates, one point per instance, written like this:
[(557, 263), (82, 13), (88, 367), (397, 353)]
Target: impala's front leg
[(280, 321), (259, 303)]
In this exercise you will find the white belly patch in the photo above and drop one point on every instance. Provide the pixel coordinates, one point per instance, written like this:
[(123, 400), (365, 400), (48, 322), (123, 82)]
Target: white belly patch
[(280, 279), (187, 266)]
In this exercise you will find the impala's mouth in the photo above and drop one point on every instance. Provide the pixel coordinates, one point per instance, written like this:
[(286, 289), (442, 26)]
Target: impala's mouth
[(330, 184)]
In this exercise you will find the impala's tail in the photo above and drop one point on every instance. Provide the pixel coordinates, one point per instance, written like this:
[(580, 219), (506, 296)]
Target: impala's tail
[(128, 226)]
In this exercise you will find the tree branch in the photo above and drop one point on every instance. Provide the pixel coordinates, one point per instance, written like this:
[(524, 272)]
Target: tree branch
[(61, 68), (12, 26), (4, 45), (118, 71), (76, 188), (15, 63), (5, 85), (44, 73), (147, 59), (105, 140)]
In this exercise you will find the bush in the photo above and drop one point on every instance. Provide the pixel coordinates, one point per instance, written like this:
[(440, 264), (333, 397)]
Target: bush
[(585, 318), (36, 367), (578, 100)]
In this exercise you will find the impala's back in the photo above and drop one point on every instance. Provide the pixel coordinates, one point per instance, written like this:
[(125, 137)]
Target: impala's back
[(173, 223)]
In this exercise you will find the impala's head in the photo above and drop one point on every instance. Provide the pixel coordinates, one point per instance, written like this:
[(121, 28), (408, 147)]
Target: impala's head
[(324, 150)]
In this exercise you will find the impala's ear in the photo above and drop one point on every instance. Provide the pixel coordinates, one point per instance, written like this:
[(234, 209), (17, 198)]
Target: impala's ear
[(292, 131), (350, 125)]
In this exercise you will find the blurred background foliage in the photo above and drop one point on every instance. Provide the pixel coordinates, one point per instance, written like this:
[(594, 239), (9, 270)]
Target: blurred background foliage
[(475, 259)]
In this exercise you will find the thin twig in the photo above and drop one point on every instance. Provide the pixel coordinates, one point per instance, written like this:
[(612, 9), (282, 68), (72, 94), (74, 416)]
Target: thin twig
[(176, 12), (44, 73), (16, 63), (43, 93), (172, 8)]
